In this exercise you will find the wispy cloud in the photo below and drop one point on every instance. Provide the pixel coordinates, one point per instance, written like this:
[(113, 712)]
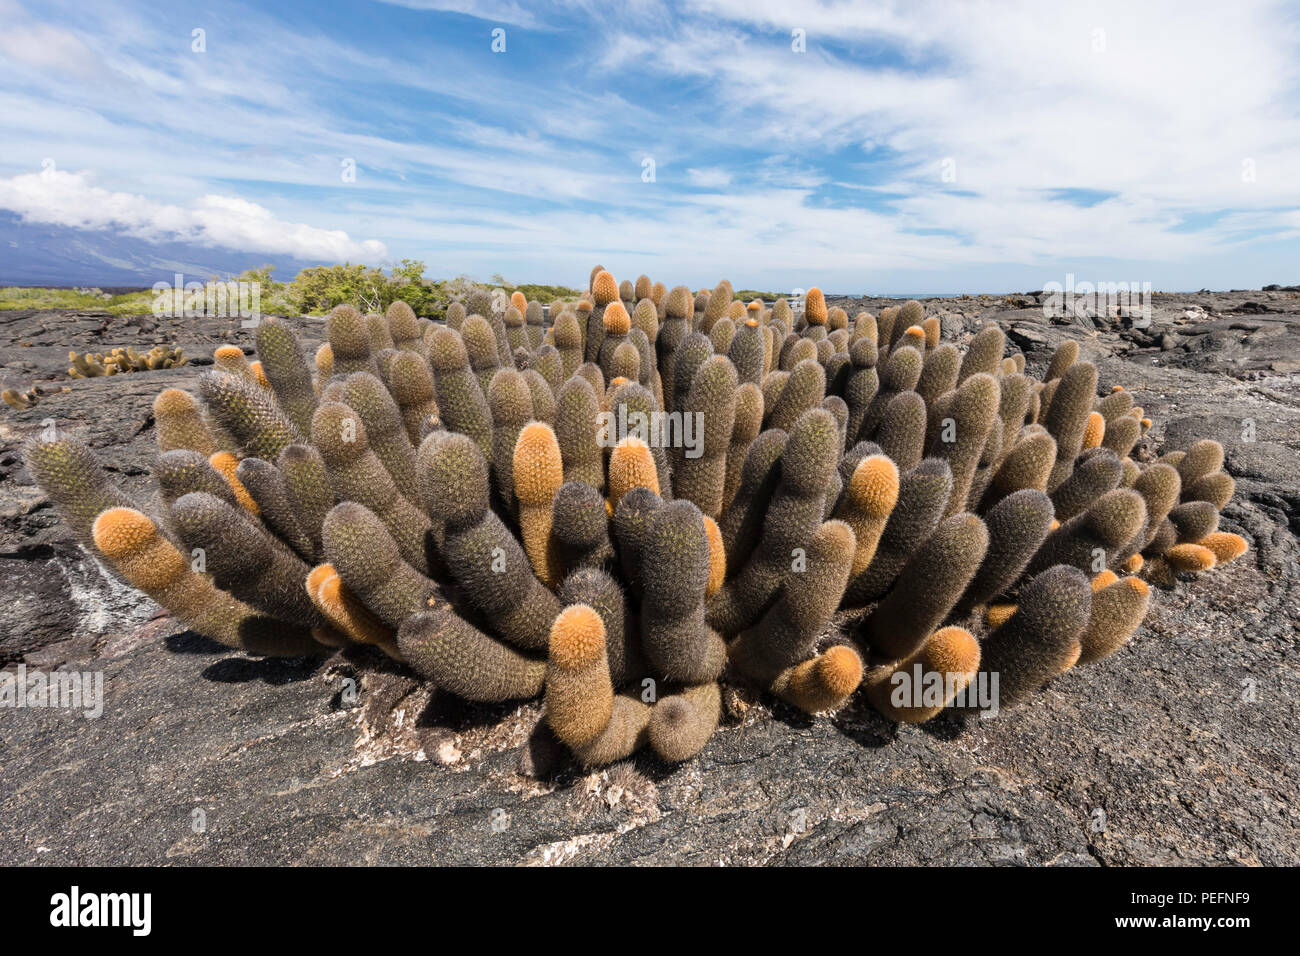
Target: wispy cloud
[(501, 11), (713, 178)]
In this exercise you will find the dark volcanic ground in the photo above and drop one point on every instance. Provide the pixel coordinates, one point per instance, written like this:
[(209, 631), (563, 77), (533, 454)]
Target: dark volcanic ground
[(1180, 749)]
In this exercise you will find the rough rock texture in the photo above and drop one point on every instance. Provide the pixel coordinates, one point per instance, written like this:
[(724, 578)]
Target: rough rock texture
[(1180, 749)]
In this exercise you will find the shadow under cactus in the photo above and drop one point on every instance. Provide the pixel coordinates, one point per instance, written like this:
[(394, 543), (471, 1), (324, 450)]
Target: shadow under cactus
[(191, 642), (268, 670)]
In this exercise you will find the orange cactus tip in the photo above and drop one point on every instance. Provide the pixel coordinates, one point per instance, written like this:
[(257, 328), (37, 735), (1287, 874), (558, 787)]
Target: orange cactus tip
[(999, 614), (348, 615), (333, 598), (577, 637), (1104, 580), (328, 590), (840, 670), (173, 401), (631, 465), (317, 575), (1137, 584), (1095, 430), (751, 323), (519, 301), (226, 464), (933, 329), (717, 556), (259, 374), (584, 306), (952, 650), (874, 485), (617, 321), (754, 306), (1190, 557), (1134, 564), (1146, 423), (1225, 545), (617, 381), (538, 468), (1054, 525), (604, 288), (227, 352), (120, 531), (814, 306), (1117, 388)]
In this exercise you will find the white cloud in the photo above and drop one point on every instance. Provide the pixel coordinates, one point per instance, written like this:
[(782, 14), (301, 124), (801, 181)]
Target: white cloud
[(1152, 102), (498, 11), (44, 46), (711, 178), (69, 199), (797, 167)]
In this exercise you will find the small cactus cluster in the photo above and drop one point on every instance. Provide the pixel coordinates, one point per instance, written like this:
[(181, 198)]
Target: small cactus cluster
[(95, 364), (21, 398), (655, 494)]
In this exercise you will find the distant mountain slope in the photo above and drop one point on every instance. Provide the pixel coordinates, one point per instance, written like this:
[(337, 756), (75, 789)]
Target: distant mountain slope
[(37, 254)]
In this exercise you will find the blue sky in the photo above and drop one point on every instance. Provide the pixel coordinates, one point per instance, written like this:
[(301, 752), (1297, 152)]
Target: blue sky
[(910, 147)]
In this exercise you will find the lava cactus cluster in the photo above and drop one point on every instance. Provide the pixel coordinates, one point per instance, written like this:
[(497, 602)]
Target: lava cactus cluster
[(651, 494)]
